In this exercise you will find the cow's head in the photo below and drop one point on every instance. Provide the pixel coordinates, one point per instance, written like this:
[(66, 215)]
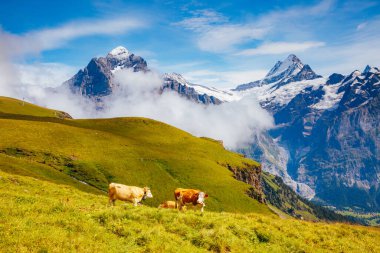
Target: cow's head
[(147, 193), (201, 197)]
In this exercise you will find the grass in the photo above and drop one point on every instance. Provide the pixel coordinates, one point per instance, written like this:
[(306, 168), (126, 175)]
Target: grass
[(371, 219), (41, 216), (15, 106), (54, 172)]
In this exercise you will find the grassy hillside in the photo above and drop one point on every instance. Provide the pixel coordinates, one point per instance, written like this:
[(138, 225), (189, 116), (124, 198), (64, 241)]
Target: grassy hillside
[(133, 151), (88, 154), (15, 106), (40, 216)]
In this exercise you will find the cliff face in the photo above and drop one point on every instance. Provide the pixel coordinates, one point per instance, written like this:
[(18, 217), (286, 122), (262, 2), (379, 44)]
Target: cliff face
[(335, 150), (252, 176), (347, 147), (97, 79), (329, 128)]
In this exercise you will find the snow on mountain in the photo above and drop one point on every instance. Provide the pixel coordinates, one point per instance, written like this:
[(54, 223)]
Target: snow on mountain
[(291, 65), (97, 78), (119, 53), (283, 72), (331, 97), (271, 96), (222, 95)]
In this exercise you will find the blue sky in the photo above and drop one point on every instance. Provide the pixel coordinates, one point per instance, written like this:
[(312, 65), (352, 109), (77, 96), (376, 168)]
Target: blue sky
[(216, 43)]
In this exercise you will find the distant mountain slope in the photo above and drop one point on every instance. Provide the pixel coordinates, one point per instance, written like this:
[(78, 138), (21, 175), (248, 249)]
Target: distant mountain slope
[(177, 82), (283, 72), (329, 128)]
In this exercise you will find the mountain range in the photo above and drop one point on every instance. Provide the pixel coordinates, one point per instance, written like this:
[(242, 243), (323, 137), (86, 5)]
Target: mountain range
[(329, 129), (97, 79), (325, 144)]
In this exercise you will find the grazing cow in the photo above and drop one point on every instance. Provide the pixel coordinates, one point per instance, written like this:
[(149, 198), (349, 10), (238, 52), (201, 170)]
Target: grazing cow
[(189, 196), (127, 193)]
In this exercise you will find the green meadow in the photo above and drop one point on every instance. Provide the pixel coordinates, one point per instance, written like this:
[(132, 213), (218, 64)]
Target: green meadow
[(41, 216), (132, 151), (54, 173)]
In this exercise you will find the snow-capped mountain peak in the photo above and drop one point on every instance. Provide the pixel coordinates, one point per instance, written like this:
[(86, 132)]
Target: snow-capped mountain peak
[(291, 65), (290, 70), (119, 53), (369, 69)]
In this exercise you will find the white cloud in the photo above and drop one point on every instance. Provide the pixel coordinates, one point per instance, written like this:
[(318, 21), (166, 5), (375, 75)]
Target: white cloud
[(45, 74), (224, 37), (216, 34), (235, 123), (361, 26), (281, 48), (202, 19), (138, 95), (226, 79), (14, 47), (36, 41)]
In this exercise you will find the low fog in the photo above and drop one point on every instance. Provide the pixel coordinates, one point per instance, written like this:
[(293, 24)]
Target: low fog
[(136, 94)]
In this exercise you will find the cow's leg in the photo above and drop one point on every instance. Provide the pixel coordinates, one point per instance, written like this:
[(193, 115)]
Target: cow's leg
[(135, 202), (179, 200), (111, 202), (203, 205)]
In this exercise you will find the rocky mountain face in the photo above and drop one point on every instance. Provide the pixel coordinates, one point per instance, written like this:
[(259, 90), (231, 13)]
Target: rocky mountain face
[(97, 80), (176, 82), (327, 133)]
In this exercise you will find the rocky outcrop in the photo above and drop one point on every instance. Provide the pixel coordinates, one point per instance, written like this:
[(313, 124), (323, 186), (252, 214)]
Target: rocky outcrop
[(63, 115), (250, 175)]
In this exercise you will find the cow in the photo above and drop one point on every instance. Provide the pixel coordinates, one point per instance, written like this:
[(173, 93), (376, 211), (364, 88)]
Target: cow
[(132, 194), (169, 204), (189, 196)]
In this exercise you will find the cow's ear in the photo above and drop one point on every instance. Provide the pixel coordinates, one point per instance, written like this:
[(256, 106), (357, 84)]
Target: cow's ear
[(206, 196)]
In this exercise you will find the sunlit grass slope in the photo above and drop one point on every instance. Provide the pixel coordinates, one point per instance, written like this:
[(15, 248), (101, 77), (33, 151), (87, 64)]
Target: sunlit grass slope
[(41, 216), (133, 151), (15, 106)]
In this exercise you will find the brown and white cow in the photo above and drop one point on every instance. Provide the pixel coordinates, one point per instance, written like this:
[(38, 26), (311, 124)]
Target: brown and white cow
[(132, 194), (189, 196)]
